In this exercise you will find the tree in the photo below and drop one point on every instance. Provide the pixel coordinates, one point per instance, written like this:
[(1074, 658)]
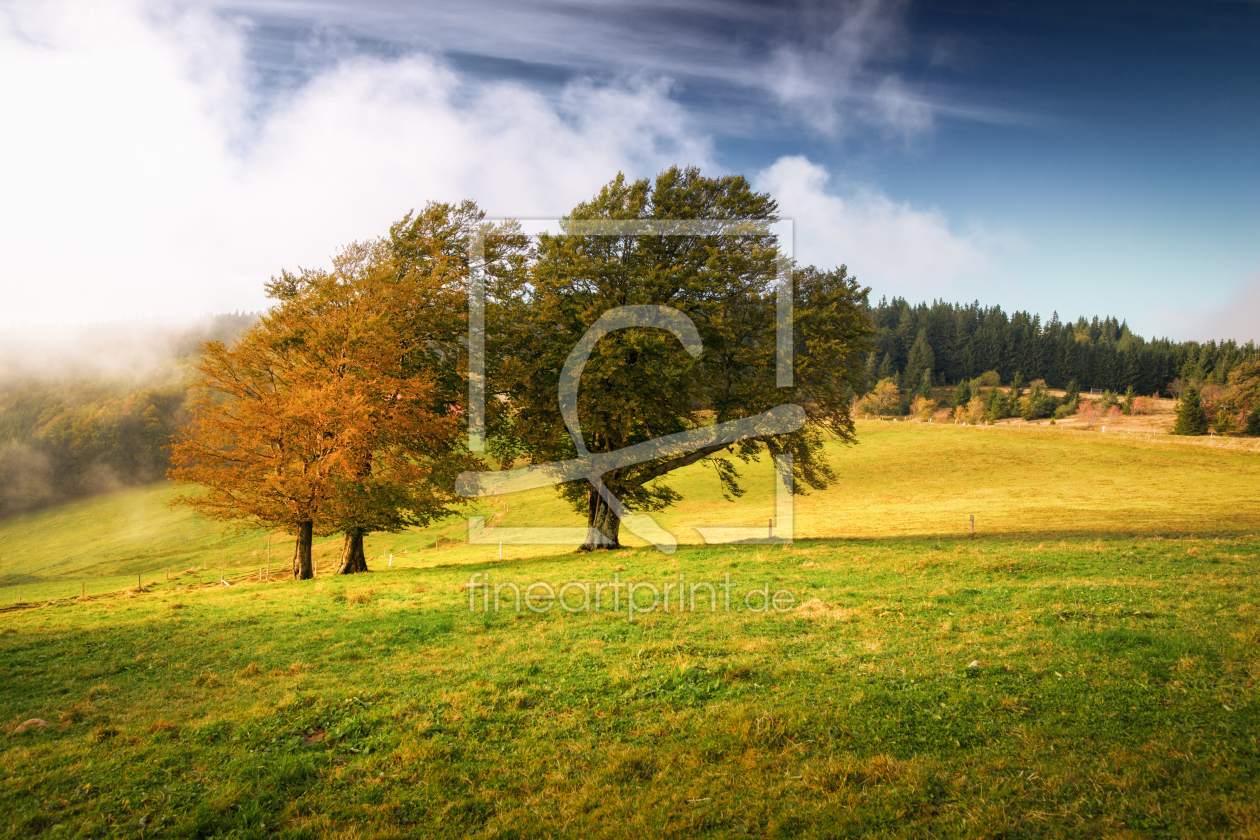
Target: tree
[(1072, 395), (922, 408), (640, 384), (389, 326), (1129, 396), (331, 414), (1089, 412), (267, 434), (1191, 419), (924, 386), (962, 394), (886, 368), (882, 399), (1253, 421), (975, 411), (1225, 425), (921, 357), (995, 404)]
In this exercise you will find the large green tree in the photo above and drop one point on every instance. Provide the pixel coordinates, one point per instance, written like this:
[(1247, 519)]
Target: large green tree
[(641, 384)]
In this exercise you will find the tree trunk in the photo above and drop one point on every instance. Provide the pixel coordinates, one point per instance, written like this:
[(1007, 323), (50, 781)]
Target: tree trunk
[(302, 567), (353, 559), (603, 525)]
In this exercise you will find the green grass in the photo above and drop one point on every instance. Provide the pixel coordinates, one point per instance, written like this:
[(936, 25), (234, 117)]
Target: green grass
[(903, 479), (1113, 695), (1109, 606)]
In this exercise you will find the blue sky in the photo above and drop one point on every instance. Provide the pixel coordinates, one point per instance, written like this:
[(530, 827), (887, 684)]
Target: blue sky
[(1089, 158)]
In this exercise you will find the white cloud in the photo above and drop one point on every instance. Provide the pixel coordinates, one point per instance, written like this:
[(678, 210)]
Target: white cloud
[(135, 182), (891, 246), (836, 83), (139, 181)]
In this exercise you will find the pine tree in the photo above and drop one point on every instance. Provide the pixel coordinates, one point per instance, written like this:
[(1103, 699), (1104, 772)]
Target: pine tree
[(1253, 420), (921, 356), (1072, 397), (996, 405), (925, 384), (1190, 417), (886, 369), (962, 394)]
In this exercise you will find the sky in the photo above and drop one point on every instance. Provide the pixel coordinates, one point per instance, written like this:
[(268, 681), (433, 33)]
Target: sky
[(163, 159)]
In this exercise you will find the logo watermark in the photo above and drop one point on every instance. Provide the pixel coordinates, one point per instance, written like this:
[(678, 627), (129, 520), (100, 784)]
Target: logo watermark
[(638, 598), (592, 466)]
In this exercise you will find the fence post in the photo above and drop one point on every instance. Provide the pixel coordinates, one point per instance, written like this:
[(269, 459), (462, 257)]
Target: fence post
[(973, 524)]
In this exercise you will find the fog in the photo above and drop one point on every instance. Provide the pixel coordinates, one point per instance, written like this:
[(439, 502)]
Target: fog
[(132, 350)]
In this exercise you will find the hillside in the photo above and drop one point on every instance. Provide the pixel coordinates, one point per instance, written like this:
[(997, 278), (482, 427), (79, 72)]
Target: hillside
[(902, 480), (1005, 687)]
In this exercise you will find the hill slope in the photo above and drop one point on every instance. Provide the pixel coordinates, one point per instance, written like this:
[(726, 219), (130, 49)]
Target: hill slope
[(903, 479)]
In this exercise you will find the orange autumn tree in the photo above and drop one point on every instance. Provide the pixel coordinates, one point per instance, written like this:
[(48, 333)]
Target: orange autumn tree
[(267, 434), (389, 337), (340, 410)]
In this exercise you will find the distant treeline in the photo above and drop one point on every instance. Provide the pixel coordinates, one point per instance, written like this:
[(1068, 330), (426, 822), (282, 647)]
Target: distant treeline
[(959, 342), (64, 437)]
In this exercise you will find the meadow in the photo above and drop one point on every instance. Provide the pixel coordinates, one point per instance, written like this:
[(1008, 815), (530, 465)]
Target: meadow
[(1085, 666)]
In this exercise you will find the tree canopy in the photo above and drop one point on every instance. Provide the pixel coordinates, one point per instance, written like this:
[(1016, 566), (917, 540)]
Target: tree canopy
[(641, 384), (342, 409)]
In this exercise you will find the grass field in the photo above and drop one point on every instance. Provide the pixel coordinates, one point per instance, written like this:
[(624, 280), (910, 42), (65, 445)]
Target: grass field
[(1085, 667), (902, 480)]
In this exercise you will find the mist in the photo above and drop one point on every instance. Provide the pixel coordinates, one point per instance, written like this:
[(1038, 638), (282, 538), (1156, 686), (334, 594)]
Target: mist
[(134, 351)]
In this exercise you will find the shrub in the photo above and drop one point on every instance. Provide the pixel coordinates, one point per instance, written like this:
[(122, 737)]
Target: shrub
[(990, 379), (1142, 405), (975, 411), (1039, 402), (922, 408), (881, 400), (1225, 424), (1089, 413)]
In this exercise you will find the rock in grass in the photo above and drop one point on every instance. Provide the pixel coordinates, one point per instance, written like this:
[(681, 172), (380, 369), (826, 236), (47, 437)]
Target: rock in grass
[(33, 723), (975, 663)]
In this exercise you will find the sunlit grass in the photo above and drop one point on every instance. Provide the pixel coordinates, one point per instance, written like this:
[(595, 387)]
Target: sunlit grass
[(903, 479), (1073, 687), (1085, 667)]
